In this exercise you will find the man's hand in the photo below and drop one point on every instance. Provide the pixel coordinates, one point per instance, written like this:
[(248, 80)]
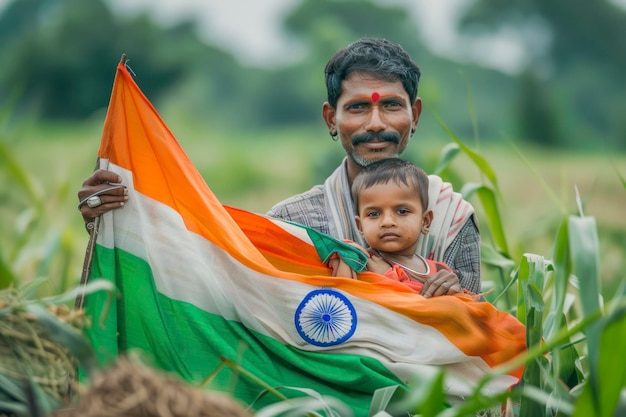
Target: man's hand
[(441, 283), (114, 198)]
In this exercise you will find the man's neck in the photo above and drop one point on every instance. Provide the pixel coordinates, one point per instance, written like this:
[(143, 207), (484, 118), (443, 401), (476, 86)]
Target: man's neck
[(353, 169)]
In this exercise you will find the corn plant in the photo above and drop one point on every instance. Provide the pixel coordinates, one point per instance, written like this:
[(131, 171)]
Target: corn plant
[(35, 244)]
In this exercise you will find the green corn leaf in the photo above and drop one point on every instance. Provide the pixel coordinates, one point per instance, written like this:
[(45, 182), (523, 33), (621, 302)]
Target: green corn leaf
[(90, 288), (10, 163), (605, 399), (66, 254), (7, 277), (584, 246), (490, 206), (448, 153), (381, 398), (611, 363), (478, 160), (39, 403), (532, 375), (490, 256), (13, 408), (11, 390), (309, 405), (531, 275), (49, 250), (25, 226), (564, 367), (619, 175), (545, 403), (24, 398), (585, 258), (426, 394), (542, 181), (562, 271)]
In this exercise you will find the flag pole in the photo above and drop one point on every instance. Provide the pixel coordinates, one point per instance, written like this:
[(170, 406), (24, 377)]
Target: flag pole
[(92, 228)]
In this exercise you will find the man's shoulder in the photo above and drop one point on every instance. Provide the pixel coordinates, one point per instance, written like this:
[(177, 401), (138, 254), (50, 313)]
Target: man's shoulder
[(437, 185), (299, 203), (308, 209)]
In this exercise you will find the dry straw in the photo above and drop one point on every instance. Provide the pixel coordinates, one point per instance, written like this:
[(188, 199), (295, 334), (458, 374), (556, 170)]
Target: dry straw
[(133, 389), (27, 351)]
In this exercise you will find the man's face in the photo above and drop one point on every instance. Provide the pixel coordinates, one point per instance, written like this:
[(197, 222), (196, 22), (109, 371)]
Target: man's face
[(373, 118)]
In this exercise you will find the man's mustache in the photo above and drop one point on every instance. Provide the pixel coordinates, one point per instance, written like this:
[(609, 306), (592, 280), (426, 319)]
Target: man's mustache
[(371, 136)]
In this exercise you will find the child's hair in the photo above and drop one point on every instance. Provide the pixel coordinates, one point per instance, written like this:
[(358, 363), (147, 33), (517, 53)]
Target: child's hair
[(398, 170)]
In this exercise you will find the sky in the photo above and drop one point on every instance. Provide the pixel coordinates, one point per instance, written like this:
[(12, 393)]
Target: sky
[(251, 28)]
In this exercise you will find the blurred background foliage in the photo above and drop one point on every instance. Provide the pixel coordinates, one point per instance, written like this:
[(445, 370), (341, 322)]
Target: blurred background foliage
[(58, 57)]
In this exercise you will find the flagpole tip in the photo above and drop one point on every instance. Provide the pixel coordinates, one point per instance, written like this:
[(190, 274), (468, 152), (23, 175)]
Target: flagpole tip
[(123, 59)]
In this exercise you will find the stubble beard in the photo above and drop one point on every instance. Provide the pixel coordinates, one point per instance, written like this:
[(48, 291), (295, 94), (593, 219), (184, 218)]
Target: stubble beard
[(363, 162)]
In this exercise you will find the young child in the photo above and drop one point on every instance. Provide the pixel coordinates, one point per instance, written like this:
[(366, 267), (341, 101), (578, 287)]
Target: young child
[(391, 203)]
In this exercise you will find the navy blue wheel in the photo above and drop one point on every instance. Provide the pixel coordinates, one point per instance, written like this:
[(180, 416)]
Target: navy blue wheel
[(325, 318)]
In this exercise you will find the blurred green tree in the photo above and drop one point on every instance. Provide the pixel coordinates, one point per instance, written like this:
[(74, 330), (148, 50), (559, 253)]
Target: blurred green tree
[(537, 116), (60, 55), (579, 60), (322, 27)]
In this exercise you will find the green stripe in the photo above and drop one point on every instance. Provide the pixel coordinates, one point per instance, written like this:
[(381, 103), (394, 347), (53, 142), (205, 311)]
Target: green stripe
[(178, 337)]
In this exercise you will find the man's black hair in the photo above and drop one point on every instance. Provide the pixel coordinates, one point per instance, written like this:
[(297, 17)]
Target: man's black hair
[(380, 58)]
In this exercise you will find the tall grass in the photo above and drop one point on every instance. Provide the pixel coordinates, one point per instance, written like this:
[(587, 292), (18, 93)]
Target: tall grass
[(574, 366), (34, 244)]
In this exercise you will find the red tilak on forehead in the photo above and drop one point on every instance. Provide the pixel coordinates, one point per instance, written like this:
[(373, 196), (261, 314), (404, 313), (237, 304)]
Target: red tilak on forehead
[(375, 96)]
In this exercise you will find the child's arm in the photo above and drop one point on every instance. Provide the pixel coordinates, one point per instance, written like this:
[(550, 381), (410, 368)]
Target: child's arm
[(377, 264), (340, 268), (374, 264)]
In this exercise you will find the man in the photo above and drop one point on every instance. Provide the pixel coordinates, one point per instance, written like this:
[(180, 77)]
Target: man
[(373, 109)]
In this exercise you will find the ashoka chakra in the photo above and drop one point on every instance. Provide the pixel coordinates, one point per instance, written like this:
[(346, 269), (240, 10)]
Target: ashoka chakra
[(325, 318)]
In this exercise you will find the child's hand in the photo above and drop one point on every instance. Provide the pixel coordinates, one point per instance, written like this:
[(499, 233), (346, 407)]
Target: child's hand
[(374, 264), (340, 268)]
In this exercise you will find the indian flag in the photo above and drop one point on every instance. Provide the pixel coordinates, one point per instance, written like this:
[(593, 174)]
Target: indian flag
[(200, 282)]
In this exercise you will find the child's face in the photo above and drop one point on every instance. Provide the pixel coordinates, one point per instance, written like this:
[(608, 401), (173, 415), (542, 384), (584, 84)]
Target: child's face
[(391, 218)]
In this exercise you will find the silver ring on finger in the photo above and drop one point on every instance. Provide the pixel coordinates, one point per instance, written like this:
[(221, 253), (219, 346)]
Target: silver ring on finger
[(94, 201)]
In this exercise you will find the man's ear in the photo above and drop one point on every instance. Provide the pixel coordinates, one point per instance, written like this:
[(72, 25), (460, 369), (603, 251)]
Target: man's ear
[(427, 220), (417, 111), (329, 113)]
